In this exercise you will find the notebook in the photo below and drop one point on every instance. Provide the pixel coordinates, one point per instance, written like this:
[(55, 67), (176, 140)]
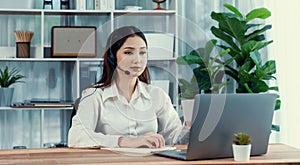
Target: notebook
[(217, 117)]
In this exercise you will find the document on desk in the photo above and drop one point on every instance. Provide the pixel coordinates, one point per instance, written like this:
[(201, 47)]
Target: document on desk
[(141, 150)]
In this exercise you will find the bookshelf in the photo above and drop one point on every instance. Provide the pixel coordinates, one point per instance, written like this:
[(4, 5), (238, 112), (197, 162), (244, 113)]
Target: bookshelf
[(65, 78)]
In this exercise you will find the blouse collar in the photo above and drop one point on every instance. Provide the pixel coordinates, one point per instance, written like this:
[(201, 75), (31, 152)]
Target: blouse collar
[(112, 91)]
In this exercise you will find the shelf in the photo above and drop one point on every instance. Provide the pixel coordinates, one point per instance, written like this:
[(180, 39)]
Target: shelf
[(21, 11), (150, 12), (75, 12), (43, 59), (79, 12), (76, 59), (38, 108)]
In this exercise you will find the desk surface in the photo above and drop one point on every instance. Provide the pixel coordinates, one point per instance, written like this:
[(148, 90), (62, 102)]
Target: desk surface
[(277, 153)]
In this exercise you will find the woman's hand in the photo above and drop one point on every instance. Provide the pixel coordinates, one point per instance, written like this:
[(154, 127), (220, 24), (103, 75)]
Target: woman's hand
[(148, 140)]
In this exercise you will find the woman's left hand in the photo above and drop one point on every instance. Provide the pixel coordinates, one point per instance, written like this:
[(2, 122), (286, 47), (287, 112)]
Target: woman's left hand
[(150, 140)]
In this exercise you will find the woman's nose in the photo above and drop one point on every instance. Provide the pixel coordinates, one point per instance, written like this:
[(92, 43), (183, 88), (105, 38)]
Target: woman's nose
[(137, 58)]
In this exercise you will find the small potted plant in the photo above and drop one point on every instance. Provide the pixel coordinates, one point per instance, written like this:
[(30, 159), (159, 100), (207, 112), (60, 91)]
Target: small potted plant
[(7, 78), (241, 147)]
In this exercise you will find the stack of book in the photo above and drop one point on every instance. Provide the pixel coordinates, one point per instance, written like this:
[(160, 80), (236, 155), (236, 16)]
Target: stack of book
[(43, 103), (94, 4)]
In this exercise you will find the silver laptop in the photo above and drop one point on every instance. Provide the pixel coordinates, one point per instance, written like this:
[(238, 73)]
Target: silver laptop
[(217, 117)]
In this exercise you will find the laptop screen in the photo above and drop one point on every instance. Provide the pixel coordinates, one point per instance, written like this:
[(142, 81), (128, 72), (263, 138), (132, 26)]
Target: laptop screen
[(217, 117)]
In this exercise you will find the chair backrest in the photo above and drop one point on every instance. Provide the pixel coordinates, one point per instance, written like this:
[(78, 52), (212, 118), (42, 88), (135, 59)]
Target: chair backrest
[(75, 107)]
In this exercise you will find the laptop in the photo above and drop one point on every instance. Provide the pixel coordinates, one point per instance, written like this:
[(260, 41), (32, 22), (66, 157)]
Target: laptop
[(217, 117)]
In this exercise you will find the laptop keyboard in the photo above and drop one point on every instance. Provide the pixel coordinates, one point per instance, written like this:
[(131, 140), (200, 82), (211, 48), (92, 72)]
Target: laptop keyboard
[(181, 152)]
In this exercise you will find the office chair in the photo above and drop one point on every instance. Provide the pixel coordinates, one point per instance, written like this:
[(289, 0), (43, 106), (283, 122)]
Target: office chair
[(75, 107)]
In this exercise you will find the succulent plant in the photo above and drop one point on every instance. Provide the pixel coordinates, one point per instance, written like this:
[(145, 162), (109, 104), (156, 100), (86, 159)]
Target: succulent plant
[(241, 139)]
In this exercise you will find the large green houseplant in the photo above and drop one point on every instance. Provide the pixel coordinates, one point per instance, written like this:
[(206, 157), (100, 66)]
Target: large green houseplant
[(245, 39), (8, 78), (241, 43)]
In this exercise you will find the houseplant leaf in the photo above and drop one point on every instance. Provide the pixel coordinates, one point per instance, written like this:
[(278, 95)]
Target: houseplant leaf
[(252, 45), (234, 10), (257, 32), (231, 26), (261, 13), (189, 59), (220, 34)]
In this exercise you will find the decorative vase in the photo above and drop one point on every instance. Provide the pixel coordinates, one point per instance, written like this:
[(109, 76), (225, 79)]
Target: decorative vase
[(6, 95), (158, 4), (241, 153)]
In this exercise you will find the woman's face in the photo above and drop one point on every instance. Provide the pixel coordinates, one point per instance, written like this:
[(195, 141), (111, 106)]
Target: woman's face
[(132, 56)]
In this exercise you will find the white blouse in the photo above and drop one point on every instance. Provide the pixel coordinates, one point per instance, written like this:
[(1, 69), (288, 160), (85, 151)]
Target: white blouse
[(103, 116)]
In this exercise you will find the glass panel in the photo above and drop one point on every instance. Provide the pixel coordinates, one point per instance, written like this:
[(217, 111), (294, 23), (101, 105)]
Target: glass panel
[(20, 128), (90, 73), (151, 23), (161, 70), (56, 127), (9, 23), (43, 80)]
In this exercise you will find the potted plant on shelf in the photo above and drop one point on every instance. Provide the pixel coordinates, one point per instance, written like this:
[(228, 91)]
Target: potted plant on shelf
[(245, 39), (241, 147), (7, 78)]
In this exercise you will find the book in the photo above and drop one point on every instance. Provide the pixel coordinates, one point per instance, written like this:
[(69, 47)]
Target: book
[(97, 4), (81, 4)]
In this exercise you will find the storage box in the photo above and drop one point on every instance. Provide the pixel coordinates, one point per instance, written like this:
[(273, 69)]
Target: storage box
[(73, 41), (17, 4), (160, 45), (7, 52), (163, 84)]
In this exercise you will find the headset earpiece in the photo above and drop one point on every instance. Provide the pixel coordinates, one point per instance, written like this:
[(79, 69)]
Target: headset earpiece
[(112, 59)]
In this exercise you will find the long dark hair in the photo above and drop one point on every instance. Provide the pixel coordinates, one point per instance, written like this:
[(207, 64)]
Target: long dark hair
[(114, 42)]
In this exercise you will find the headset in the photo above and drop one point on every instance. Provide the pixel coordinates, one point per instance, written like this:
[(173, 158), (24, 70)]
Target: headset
[(111, 58)]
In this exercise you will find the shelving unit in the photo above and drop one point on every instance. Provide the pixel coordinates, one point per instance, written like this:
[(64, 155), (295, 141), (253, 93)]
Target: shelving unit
[(64, 112), (64, 78)]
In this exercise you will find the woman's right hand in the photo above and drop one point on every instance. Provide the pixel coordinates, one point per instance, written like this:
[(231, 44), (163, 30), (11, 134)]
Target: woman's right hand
[(148, 140)]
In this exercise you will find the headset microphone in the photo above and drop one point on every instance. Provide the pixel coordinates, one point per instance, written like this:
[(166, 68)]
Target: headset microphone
[(125, 71)]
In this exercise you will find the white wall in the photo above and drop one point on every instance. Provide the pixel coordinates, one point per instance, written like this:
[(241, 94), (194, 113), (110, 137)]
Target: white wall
[(286, 51)]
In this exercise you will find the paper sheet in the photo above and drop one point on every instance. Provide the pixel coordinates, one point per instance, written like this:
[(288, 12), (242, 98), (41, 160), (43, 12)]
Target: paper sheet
[(141, 150)]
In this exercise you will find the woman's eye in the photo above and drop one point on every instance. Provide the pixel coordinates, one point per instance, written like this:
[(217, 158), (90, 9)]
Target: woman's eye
[(143, 53), (129, 53)]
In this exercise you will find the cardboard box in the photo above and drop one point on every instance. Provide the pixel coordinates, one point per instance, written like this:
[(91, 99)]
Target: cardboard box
[(17, 4), (160, 45), (73, 41)]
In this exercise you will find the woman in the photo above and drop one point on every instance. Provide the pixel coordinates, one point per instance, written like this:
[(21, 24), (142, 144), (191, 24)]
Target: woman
[(123, 109)]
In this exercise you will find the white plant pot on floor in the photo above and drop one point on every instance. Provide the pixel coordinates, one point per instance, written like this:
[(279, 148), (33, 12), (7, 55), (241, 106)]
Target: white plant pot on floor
[(187, 108), (241, 152)]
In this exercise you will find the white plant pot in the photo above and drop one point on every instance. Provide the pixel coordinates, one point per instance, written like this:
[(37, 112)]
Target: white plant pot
[(241, 153), (187, 108), (6, 95)]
